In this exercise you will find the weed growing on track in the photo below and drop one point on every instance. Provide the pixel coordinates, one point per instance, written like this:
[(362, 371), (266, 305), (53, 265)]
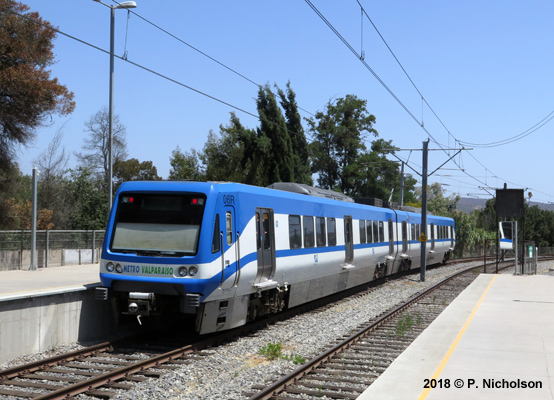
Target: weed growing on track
[(274, 351)]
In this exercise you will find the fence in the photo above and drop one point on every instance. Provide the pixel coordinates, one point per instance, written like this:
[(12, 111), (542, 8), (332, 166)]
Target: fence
[(53, 248)]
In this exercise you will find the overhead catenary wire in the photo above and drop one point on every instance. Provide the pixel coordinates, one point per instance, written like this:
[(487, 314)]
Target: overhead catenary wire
[(512, 139), (202, 53), (125, 59), (420, 123)]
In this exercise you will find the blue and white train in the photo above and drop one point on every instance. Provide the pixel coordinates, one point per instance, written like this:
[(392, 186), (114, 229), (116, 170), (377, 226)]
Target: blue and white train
[(506, 234), (228, 253)]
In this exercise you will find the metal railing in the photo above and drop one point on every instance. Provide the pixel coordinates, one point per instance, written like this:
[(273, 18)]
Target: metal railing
[(54, 248)]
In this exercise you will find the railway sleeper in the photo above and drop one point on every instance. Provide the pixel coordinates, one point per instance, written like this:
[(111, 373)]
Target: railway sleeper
[(51, 378), (332, 387), (102, 394), (318, 376), (369, 374), (357, 369), (321, 393), (29, 384), (352, 359), (18, 393)]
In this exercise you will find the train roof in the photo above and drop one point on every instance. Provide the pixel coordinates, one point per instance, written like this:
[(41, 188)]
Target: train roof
[(289, 187)]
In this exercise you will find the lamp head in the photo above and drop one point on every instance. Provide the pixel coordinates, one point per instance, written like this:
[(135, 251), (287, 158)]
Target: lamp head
[(127, 4)]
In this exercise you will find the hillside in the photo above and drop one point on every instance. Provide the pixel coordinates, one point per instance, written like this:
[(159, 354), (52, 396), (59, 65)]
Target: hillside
[(468, 204)]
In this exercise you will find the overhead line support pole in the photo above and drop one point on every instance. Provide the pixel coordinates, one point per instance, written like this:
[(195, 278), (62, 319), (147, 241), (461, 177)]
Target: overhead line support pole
[(424, 212)]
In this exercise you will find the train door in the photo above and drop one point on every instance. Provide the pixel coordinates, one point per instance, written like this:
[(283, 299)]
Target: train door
[(265, 244), (432, 236), (229, 248), (391, 237), (404, 237), (348, 240)]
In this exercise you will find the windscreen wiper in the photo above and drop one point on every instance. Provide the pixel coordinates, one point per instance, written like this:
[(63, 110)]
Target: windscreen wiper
[(148, 253)]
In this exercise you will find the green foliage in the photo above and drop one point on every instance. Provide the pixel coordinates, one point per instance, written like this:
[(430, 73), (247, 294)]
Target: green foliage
[(185, 166), (301, 160), (279, 159), (133, 170), (437, 203), (339, 135), (295, 358), (404, 324), (90, 201), (469, 237), (224, 154), (274, 351)]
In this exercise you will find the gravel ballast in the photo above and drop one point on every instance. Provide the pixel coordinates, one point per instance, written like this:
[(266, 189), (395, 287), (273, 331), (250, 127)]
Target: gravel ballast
[(228, 371)]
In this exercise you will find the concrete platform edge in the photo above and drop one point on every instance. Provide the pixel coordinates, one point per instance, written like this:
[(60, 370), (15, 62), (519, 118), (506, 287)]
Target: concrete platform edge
[(405, 377)]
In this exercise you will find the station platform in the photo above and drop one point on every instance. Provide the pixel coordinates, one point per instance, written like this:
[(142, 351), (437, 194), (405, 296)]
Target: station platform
[(20, 284), (495, 341)]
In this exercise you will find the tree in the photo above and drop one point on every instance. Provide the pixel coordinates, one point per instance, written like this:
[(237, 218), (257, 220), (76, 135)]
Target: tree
[(279, 160), (437, 203), (470, 239), (223, 154), (16, 188), (52, 185), (90, 200), (28, 95), (134, 170), (185, 166), (22, 214), (96, 146), (339, 136), (301, 159)]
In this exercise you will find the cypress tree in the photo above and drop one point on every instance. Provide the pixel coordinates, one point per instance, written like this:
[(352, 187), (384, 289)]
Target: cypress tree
[(279, 165), (295, 129)]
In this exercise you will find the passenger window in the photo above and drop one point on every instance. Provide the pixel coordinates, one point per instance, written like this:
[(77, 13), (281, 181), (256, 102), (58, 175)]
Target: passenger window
[(267, 243), (362, 232), (229, 224), (320, 231), (308, 231), (215, 240), (368, 231), (331, 232), (295, 239), (375, 232), (381, 231)]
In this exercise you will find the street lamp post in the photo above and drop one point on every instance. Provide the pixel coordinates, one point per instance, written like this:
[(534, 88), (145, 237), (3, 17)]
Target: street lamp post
[(123, 5)]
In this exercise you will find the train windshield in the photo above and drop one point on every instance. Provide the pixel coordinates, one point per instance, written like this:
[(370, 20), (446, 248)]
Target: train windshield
[(507, 229), (165, 225)]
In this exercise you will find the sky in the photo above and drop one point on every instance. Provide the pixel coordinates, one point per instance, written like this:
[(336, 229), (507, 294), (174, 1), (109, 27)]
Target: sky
[(460, 73)]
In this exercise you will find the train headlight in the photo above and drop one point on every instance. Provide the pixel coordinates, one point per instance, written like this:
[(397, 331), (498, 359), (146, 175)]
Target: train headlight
[(119, 268), (110, 267), (193, 271), (182, 271)]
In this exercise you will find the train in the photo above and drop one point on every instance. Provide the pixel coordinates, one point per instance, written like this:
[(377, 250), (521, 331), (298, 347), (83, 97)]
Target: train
[(226, 253), (506, 233)]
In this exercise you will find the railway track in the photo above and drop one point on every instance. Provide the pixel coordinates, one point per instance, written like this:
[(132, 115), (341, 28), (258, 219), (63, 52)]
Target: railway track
[(103, 370), (348, 368)]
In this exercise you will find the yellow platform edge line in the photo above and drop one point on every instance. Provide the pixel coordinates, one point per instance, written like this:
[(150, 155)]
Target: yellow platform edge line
[(441, 366)]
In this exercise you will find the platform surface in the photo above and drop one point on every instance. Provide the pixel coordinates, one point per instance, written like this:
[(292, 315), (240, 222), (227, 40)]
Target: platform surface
[(494, 339), (45, 281)]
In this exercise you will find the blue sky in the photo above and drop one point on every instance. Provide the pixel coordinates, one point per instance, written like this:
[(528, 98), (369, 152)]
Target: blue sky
[(484, 67)]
